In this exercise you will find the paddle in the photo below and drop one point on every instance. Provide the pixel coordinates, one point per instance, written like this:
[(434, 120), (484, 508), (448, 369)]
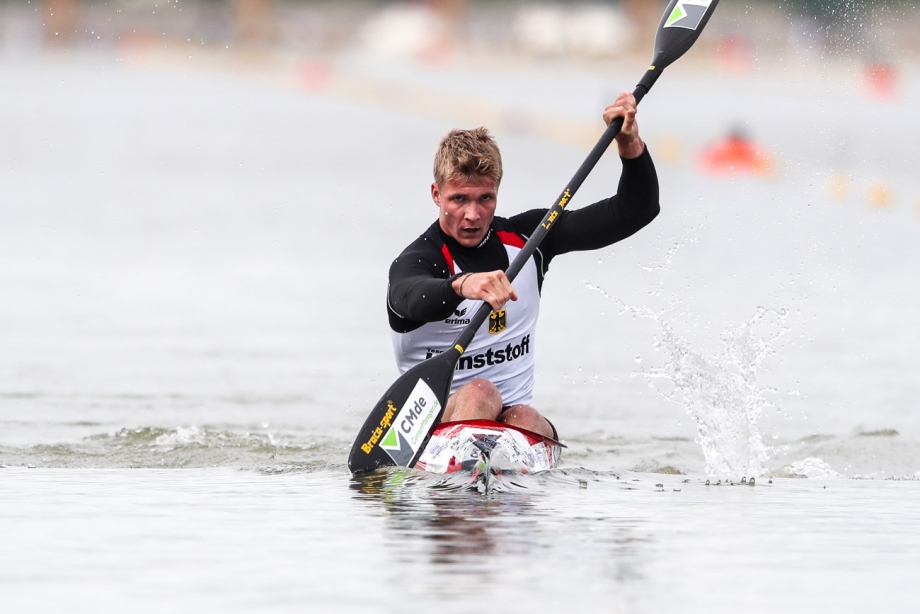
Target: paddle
[(399, 426)]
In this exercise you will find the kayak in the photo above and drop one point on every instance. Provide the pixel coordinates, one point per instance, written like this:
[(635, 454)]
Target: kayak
[(487, 447)]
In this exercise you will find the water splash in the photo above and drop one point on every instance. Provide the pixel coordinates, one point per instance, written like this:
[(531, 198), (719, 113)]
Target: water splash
[(810, 467), (721, 393), (669, 256)]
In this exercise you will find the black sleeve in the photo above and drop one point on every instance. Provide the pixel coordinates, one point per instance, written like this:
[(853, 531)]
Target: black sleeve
[(633, 206), (420, 288)]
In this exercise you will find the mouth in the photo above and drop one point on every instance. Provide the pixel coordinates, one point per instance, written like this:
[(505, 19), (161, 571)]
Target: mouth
[(470, 232)]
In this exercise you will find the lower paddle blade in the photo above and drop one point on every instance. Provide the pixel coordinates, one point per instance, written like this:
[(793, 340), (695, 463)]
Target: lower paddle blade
[(399, 426)]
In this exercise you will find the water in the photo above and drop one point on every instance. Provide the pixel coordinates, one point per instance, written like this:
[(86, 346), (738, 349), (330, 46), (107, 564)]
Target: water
[(219, 539), (193, 260)]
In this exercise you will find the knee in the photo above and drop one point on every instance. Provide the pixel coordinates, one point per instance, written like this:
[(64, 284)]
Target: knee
[(484, 393), (528, 418), (477, 400)]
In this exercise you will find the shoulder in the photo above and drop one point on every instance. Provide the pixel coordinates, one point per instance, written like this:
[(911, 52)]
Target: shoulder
[(425, 253), (524, 223), (429, 242)]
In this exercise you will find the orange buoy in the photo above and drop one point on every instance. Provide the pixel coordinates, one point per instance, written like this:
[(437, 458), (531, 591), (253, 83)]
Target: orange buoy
[(314, 74), (881, 80), (735, 154)]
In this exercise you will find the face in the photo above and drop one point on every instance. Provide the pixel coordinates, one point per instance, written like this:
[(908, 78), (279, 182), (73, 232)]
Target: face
[(466, 208)]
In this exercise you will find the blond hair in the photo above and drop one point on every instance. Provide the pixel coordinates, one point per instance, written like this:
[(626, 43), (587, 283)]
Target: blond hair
[(468, 154)]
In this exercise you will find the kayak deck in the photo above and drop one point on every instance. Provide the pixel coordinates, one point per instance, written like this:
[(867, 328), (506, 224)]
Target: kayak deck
[(486, 446)]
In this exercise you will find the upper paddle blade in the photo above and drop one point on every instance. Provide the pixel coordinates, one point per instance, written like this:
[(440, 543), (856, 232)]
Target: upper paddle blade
[(399, 426), (680, 26)]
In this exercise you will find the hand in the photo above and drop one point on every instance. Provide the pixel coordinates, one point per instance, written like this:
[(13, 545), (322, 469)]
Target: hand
[(492, 287), (628, 141)]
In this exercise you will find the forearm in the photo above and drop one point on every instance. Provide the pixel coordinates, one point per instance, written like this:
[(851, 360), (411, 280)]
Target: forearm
[(631, 149), (637, 192), (608, 221)]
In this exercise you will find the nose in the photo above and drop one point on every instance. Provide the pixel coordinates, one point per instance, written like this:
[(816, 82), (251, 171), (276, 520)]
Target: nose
[(471, 213)]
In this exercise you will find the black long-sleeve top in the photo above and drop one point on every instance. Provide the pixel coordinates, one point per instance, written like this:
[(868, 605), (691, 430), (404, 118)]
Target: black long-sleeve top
[(420, 287)]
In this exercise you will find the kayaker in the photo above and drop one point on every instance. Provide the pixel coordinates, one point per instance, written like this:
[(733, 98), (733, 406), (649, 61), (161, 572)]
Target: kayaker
[(435, 283)]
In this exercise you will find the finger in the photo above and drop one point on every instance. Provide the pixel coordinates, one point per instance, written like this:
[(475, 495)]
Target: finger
[(496, 304), (625, 103), (617, 110), (611, 113), (501, 285), (504, 295), (626, 99), (499, 300), (629, 121)]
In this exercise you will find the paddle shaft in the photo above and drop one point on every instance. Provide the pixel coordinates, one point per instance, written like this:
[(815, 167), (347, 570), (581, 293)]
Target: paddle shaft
[(416, 400)]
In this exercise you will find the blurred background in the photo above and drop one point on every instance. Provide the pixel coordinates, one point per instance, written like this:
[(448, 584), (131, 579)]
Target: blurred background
[(437, 30), (315, 46)]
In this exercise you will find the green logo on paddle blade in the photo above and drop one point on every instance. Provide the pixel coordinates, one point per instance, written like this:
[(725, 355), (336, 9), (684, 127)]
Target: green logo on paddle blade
[(677, 13), (411, 425), (688, 14), (390, 441)]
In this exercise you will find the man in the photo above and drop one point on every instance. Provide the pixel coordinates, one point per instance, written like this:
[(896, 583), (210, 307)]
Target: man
[(436, 283)]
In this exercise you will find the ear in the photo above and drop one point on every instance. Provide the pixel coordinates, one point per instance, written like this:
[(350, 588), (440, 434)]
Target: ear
[(436, 194)]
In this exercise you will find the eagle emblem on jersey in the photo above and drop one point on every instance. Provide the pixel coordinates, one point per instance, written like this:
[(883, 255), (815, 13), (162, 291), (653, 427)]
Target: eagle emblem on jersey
[(498, 321)]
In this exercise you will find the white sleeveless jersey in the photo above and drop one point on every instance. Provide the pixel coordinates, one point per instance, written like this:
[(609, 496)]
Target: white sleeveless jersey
[(502, 351)]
